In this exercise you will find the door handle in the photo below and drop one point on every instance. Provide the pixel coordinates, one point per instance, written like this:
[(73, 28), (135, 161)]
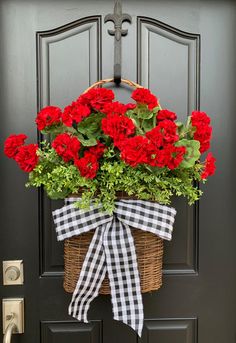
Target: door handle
[(9, 330), (13, 317)]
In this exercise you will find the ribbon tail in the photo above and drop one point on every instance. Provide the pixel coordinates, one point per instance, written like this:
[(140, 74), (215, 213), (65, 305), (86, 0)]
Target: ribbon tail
[(123, 275), (91, 276)]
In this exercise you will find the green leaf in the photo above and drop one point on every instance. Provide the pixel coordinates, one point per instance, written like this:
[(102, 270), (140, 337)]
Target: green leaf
[(91, 126), (192, 153), (149, 124), (55, 129), (89, 141), (145, 113)]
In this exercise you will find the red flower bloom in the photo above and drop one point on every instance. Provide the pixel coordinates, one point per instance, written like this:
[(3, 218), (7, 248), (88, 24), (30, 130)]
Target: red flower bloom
[(210, 167), (97, 98), (114, 108), (66, 146), (198, 117), (203, 135), (164, 133), (166, 114), (97, 150), (88, 166), (75, 113), (118, 127), (203, 132), (13, 143), (156, 137), (177, 156), (134, 151), (168, 129), (27, 158), (48, 116), (158, 157), (169, 156), (144, 96)]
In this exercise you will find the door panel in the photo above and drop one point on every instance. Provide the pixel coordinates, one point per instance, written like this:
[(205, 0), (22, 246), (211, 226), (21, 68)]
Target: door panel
[(185, 53), (171, 330), (60, 332)]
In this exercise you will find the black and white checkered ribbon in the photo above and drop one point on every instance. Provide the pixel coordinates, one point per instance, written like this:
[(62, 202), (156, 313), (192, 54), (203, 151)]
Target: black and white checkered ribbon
[(112, 250)]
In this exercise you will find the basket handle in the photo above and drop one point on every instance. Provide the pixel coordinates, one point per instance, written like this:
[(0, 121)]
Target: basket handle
[(101, 82)]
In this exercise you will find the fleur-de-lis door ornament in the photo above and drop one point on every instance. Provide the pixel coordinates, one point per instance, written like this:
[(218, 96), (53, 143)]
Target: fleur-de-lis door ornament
[(117, 18)]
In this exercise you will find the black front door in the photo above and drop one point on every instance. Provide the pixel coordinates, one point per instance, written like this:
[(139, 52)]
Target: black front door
[(184, 51)]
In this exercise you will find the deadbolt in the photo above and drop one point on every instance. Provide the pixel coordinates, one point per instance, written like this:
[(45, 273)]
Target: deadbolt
[(13, 272)]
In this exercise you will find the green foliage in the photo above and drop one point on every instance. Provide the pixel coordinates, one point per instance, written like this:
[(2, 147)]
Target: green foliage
[(91, 126), (61, 179), (192, 152)]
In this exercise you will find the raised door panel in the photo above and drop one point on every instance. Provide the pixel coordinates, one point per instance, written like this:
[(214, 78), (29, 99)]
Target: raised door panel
[(168, 64), (170, 331), (73, 332), (68, 61)]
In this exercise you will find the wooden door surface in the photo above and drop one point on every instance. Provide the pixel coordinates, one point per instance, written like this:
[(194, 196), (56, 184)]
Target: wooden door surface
[(184, 51)]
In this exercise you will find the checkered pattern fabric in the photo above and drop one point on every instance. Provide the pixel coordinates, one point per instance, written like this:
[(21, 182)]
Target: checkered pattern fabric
[(112, 250)]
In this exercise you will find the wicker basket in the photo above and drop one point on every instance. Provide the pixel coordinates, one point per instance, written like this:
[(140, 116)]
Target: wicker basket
[(149, 247), (149, 250)]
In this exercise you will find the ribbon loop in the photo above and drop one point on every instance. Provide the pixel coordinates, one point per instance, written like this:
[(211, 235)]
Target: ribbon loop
[(147, 216), (112, 250)]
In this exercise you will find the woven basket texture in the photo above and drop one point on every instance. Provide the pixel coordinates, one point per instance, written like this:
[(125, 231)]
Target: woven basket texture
[(149, 250)]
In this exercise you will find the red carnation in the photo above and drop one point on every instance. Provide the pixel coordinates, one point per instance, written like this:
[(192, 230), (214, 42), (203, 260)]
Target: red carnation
[(97, 150), (203, 131), (144, 96), (13, 143), (87, 165), (75, 113), (97, 98), (27, 158), (66, 146), (166, 114), (209, 168), (48, 116), (134, 151), (118, 127)]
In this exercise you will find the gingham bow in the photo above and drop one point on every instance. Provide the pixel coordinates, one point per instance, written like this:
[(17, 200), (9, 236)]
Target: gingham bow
[(112, 250)]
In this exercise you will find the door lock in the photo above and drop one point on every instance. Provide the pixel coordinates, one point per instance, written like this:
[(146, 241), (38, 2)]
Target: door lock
[(13, 272)]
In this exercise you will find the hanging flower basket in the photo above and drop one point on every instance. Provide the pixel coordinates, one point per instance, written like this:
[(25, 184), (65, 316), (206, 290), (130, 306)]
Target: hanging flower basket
[(149, 251), (126, 161)]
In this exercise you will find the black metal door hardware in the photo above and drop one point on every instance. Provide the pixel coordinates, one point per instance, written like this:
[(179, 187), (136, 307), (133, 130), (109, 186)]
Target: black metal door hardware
[(117, 18)]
